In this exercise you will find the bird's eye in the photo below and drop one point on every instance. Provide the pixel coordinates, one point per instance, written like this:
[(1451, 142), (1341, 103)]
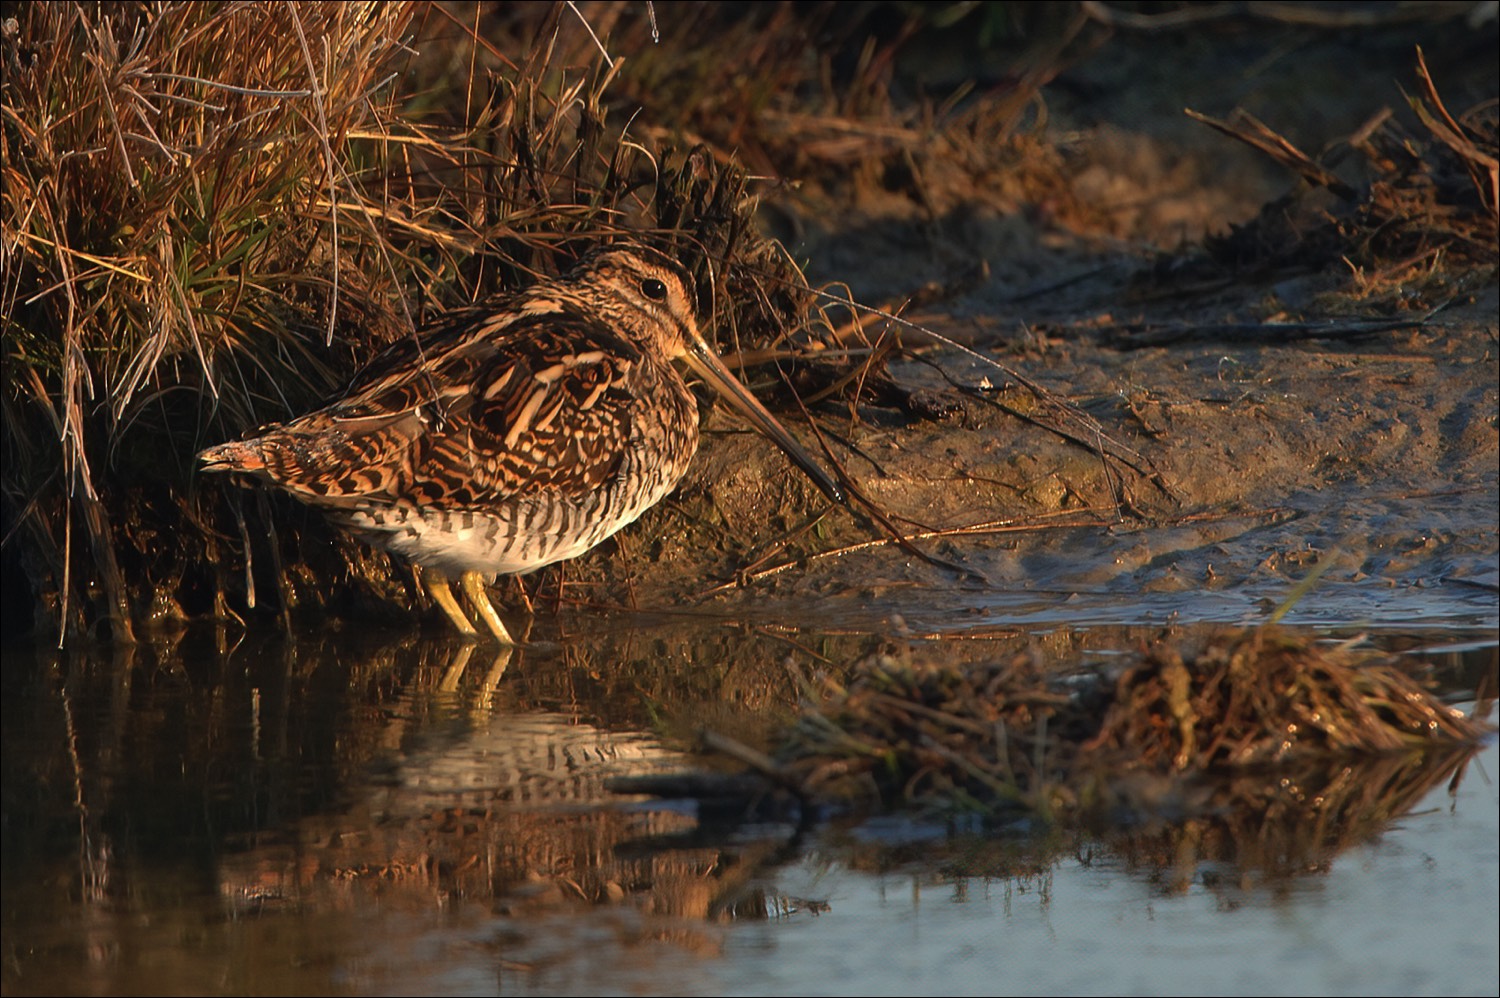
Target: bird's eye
[(654, 289)]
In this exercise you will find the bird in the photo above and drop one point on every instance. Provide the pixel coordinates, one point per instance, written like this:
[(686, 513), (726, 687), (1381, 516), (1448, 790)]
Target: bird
[(516, 432)]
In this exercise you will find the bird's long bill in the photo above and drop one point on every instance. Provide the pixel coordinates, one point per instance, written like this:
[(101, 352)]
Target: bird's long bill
[(706, 364)]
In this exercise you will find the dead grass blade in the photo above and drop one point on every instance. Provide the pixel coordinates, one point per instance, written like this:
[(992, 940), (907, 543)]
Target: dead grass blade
[(1247, 128), (1482, 164)]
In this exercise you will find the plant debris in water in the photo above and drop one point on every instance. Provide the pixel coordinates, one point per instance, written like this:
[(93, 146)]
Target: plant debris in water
[(1009, 734)]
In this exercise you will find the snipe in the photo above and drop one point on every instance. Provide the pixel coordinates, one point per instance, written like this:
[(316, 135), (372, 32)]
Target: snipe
[(514, 433)]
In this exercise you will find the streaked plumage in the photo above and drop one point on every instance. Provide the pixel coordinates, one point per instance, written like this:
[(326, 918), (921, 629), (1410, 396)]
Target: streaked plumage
[(514, 433)]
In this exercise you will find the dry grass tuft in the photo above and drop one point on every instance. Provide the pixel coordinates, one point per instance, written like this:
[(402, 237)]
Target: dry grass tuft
[(1259, 697), (1427, 209), (180, 214)]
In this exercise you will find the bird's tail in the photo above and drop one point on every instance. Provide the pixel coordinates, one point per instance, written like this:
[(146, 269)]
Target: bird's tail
[(243, 456)]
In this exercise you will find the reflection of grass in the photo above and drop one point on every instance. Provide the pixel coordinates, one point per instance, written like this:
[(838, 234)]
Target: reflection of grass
[(1228, 834), (1286, 821)]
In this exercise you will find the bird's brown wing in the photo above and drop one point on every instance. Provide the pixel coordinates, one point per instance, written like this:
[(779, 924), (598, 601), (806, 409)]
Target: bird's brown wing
[(553, 412), (486, 406)]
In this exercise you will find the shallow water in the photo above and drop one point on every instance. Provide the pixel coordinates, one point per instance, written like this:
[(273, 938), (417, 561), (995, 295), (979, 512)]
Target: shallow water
[(381, 814)]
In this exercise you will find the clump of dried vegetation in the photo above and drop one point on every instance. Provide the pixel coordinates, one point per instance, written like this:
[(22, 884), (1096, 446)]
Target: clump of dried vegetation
[(1429, 206), (1012, 736), (182, 206)]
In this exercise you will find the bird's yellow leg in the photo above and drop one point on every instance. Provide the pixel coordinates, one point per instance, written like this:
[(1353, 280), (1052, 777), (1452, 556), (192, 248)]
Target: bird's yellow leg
[(437, 586), (472, 584)]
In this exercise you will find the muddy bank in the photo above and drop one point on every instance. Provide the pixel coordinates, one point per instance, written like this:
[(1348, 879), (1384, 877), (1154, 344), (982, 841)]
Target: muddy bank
[(1282, 404), (1377, 452)]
